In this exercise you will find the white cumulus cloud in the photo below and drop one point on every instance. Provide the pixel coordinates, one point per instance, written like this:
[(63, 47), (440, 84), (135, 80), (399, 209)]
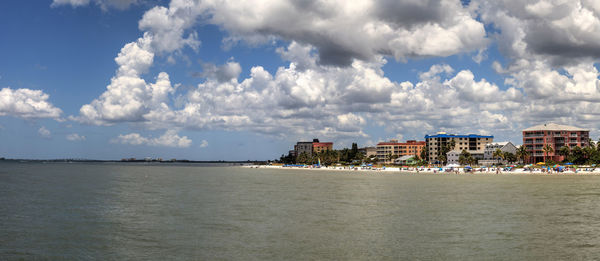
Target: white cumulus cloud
[(169, 139), (27, 103), (44, 132), (204, 144), (550, 47), (75, 137)]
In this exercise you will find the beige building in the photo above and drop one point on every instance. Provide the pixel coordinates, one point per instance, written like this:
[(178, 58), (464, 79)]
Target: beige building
[(398, 149), (368, 151), (473, 143)]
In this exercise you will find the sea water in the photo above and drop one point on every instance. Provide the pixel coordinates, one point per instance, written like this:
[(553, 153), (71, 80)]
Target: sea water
[(112, 211)]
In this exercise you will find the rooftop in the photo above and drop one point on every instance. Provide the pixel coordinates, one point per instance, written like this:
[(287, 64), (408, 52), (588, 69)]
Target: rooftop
[(501, 143), (554, 127), (410, 142), (444, 135), (407, 157)]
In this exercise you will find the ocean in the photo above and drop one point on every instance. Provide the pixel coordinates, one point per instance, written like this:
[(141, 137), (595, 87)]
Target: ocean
[(116, 211)]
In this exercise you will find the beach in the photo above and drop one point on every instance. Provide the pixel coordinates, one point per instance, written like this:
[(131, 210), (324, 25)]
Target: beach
[(438, 170)]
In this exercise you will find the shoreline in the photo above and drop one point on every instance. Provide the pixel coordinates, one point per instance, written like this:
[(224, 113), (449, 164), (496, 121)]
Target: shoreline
[(436, 171)]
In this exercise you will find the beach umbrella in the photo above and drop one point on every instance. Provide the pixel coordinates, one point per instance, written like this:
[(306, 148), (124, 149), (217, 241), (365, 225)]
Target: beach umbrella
[(569, 163), (541, 163)]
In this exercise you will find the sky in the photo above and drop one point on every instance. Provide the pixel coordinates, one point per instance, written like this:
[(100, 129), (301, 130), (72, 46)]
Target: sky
[(245, 80)]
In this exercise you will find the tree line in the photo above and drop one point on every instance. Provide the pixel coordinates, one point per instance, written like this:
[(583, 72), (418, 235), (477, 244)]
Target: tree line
[(327, 157)]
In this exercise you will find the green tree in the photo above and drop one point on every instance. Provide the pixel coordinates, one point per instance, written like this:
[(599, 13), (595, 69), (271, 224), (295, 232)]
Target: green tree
[(564, 151), (465, 158), (588, 152), (547, 149), (303, 158), (354, 151), (577, 155), (522, 153), (498, 154), (509, 157), (425, 153), (447, 147)]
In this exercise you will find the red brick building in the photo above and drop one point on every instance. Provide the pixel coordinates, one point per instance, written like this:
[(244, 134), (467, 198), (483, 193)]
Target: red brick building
[(557, 136), (322, 146)]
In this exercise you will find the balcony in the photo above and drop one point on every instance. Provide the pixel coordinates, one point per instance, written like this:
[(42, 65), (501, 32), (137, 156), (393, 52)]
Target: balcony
[(533, 135)]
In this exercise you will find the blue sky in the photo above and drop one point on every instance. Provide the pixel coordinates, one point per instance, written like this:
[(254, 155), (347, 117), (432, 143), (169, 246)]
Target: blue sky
[(209, 80)]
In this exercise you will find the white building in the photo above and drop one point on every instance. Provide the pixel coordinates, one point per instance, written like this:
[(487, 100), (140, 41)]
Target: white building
[(488, 153), (453, 155)]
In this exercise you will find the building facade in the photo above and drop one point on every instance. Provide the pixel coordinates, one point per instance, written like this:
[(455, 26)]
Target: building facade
[(319, 147), (311, 147), (303, 147), (473, 143), (537, 137), (368, 151), (398, 149), (453, 156), (406, 160), (488, 153)]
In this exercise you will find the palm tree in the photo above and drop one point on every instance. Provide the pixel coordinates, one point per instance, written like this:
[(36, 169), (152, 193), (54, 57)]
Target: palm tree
[(522, 153), (498, 154), (464, 158), (390, 156), (547, 150), (588, 152), (564, 151), (509, 157), (425, 153)]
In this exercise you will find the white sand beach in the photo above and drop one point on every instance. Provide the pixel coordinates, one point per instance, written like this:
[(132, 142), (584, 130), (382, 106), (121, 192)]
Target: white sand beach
[(442, 170)]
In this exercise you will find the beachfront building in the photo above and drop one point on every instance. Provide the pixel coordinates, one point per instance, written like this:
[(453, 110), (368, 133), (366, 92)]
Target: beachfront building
[(488, 153), (406, 160), (303, 147), (319, 147), (537, 137), (368, 151), (311, 147), (472, 143), (453, 156), (390, 150)]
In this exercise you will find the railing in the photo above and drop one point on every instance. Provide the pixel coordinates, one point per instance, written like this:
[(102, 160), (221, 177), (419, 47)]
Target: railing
[(533, 135)]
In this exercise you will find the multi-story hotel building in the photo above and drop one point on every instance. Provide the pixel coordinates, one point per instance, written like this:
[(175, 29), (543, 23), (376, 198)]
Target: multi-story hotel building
[(398, 149), (309, 147), (322, 146), (535, 139), (303, 147), (473, 143), (368, 151)]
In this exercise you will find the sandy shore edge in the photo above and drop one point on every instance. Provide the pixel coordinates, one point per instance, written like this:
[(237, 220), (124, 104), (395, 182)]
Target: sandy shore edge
[(391, 170)]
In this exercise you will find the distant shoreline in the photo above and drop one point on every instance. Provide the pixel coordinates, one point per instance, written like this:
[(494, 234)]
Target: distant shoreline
[(134, 161)]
